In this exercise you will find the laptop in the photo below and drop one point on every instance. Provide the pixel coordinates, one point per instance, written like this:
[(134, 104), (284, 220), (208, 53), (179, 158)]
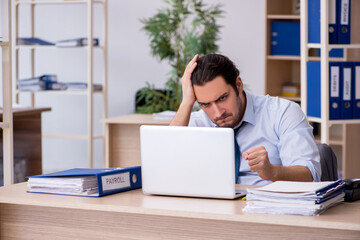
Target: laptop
[(188, 161)]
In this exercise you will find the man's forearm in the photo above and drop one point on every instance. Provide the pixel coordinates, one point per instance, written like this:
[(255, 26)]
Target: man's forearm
[(182, 116), (292, 173)]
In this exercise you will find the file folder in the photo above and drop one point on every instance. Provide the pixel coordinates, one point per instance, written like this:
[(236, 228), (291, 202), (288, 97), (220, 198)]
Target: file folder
[(334, 90), (104, 181), (333, 26), (356, 90), (345, 85), (344, 28), (285, 38), (314, 21), (313, 89)]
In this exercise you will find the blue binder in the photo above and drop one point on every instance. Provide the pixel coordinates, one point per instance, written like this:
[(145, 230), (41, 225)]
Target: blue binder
[(313, 90), (314, 21), (333, 26), (345, 85), (356, 90), (334, 90), (285, 38), (109, 180), (343, 15)]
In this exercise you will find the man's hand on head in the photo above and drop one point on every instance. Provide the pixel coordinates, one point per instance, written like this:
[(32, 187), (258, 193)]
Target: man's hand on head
[(187, 87), (182, 116)]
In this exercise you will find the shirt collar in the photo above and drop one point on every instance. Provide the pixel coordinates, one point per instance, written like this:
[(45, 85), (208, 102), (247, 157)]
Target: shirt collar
[(249, 115)]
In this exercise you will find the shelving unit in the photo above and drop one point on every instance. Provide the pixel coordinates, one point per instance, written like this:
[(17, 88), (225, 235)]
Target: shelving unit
[(280, 69), (346, 134), (89, 92), (7, 123)]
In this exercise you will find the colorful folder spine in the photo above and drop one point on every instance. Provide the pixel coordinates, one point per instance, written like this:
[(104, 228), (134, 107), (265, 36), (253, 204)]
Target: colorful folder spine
[(356, 90), (285, 38), (334, 90), (345, 82), (313, 90), (343, 19)]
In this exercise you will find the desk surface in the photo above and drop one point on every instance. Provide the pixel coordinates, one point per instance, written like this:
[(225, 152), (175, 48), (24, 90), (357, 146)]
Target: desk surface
[(345, 216), (136, 119)]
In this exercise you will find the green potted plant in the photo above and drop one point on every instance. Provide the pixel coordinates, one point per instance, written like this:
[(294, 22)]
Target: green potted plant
[(177, 33)]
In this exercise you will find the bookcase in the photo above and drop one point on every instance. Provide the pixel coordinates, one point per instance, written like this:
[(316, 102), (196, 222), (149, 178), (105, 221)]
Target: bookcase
[(280, 69), (342, 135), (7, 122), (89, 54)]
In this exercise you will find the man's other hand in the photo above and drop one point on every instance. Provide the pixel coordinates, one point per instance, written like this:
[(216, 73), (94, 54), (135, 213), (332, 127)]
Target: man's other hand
[(187, 87), (258, 161)]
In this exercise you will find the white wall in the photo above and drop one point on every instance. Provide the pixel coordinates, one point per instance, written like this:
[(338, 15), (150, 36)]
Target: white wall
[(130, 65)]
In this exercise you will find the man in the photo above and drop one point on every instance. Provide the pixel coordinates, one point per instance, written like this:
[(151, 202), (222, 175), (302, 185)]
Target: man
[(273, 135)]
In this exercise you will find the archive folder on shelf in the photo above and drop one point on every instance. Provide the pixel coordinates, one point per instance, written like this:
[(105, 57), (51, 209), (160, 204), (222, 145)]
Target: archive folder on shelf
[(314, 21), (314, 90), (339, 21), (345, 85), (343, 15), (89, 182), (285, 38), (333, 26), (313, 108), (334, 90), (356, 90)]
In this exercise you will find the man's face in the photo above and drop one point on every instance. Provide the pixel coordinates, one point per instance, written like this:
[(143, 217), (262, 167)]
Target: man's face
[(220, 102)]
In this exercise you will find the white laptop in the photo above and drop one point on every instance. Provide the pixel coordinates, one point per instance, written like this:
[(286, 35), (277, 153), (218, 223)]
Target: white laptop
[(188, 161)]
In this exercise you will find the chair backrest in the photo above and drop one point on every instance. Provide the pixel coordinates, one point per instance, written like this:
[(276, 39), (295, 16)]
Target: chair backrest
[(328, 162)]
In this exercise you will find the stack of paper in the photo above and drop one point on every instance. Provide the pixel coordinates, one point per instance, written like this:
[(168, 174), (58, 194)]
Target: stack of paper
[(303, 198), (80, 185)]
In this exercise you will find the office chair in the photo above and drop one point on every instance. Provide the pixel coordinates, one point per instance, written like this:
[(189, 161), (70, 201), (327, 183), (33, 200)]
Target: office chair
[(328, 162)]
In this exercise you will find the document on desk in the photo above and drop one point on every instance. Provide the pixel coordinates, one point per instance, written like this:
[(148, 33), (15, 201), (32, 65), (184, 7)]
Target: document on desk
[(90, 182), (304, 198)]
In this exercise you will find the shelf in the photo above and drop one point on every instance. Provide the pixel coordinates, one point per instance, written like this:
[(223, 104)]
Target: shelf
[(336, 141), (70, 92), (4, 44), (295, 99), (331, 46), (317, 59), (56, 2), (70, 136), (283, 17), (4, 125), (52, 47), (283, 57), (344, 121)]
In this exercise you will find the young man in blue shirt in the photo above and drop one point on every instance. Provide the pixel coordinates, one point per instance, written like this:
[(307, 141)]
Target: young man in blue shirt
[(273, 135)]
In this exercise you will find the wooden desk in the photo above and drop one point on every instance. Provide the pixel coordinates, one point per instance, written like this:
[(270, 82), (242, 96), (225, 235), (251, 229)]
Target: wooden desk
[(122, 138), (27, 137), (132, 215)]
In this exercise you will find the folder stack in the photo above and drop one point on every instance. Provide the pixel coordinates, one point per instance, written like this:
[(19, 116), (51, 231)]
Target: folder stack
[(301, 198), (344, 90)]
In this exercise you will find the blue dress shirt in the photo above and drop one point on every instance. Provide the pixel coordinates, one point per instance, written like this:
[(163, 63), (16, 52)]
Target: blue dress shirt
[(281, 127)]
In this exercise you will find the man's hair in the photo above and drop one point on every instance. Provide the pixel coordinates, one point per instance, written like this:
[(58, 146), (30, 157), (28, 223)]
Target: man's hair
[(211, 66)]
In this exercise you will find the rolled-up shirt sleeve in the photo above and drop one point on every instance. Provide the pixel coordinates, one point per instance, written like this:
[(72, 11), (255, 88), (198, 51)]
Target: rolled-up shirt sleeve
[(296, 144)]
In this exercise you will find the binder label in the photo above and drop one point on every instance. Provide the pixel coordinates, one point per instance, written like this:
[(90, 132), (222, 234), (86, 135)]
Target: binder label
[(357, 82), (334, 81), (344, 12), (347, 84), (332, 12), (115, 181)]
